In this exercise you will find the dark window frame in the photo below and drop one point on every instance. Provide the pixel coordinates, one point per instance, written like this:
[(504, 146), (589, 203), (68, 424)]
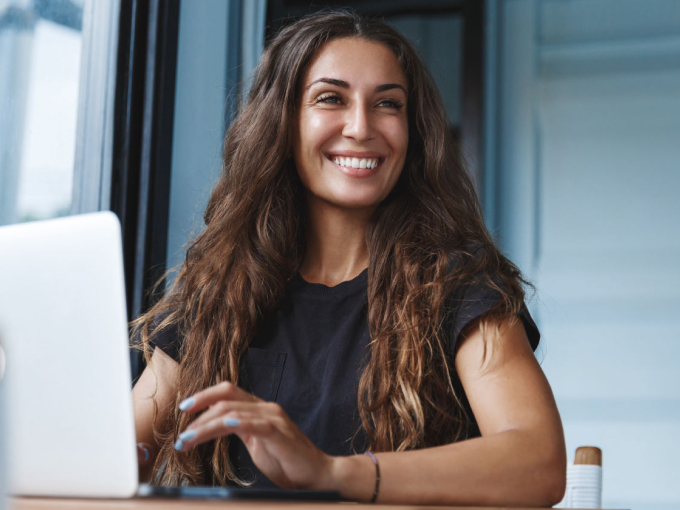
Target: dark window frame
[(143, 130)]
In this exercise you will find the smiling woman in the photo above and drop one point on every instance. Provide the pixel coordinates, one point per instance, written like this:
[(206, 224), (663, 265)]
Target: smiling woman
[(346, 298), (352, 110)]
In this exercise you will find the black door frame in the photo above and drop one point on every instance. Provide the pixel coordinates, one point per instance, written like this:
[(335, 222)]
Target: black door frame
[(143, 129)]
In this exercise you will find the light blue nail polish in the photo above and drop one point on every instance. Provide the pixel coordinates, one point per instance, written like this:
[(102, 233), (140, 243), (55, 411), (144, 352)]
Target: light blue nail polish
[(186, 404), (187, 435), (231, 422), (179, 444), (146, 454)]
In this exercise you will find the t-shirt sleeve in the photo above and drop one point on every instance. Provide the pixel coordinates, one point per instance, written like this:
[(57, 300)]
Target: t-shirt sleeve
[(473, 302), (168, 340)]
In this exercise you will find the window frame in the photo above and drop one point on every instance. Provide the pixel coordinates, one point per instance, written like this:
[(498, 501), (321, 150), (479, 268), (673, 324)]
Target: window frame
[(94, 136)]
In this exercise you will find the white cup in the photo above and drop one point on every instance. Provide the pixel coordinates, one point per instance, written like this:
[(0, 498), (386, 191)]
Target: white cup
[(584, 486)]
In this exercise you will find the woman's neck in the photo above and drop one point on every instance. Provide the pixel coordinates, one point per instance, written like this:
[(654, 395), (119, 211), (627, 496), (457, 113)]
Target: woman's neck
[(336, 248)]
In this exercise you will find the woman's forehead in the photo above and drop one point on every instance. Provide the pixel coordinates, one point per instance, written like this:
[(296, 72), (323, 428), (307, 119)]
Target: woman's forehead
[(355, 60)]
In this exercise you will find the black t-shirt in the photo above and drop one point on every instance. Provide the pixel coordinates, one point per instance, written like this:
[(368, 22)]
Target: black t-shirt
[(309, 354)]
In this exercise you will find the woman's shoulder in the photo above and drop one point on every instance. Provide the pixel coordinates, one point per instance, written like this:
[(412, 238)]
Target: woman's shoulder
[(478, 267), (165, 333), (484, 283), (467, 256)]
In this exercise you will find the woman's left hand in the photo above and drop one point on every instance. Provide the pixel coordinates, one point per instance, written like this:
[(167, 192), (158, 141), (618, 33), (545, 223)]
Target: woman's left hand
[(276, 445)]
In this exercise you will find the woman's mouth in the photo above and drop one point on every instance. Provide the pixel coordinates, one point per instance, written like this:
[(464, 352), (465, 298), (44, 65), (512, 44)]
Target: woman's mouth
[(357, 167)]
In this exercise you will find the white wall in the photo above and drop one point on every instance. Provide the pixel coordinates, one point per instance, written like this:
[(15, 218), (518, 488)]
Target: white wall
[(586, 173)]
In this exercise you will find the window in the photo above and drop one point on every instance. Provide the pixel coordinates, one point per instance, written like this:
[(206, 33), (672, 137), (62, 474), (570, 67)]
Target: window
[(40, 47)]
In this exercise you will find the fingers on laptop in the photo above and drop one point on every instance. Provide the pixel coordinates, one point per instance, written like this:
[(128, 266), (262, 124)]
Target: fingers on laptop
[(210, 396), (221, 409), (240, 423), (261, 419)]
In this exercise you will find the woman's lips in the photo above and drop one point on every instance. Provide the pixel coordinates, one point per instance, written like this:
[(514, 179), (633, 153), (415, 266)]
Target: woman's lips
[(357, 172)]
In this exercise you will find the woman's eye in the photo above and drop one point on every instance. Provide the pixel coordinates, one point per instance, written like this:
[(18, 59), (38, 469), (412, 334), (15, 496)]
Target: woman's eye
[(391, 104), (329, 99)]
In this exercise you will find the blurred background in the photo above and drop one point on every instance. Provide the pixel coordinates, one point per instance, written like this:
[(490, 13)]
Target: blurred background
[(568, 112)]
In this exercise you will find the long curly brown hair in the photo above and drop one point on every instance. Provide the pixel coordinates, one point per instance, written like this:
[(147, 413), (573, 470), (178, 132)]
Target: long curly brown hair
[(423, 241)]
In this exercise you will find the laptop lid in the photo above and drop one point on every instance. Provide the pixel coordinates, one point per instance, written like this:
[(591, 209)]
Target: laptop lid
[(63, 325)]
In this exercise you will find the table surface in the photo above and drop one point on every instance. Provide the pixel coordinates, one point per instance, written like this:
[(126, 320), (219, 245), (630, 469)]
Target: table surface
[(178, 504)]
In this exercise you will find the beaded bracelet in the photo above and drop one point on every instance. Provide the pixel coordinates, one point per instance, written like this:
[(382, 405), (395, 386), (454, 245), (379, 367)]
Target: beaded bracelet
[(377, 475)]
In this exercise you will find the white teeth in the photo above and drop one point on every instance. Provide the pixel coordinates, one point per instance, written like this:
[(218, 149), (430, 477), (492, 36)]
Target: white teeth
[(356, 162)]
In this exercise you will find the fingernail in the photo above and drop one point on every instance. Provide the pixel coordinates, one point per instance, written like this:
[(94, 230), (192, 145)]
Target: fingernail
[(179, 444), (187, 435), (231, 422), (146, 454), (186, 404)]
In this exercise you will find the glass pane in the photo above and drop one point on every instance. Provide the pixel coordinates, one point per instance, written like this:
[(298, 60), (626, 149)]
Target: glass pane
[(201, 93), (40, 46), (220, 42)]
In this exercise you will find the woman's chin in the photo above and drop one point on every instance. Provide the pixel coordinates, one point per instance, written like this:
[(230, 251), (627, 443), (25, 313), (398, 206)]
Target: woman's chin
[(354, 198), (357, 204)]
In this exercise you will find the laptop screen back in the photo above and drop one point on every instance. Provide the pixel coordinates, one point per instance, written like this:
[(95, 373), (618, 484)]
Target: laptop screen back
[(68, 410)]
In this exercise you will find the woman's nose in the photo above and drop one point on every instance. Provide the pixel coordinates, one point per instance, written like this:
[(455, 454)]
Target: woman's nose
[(358, 123)]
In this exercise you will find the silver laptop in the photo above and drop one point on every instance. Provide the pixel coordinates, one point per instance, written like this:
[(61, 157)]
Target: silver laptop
[(63, 325), (67, 384)]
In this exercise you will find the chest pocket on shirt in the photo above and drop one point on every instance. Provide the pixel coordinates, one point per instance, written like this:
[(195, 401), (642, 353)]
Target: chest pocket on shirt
[(261, 372)]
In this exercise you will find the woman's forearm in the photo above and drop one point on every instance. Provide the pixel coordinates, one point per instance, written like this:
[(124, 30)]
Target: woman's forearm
[(511, 468)]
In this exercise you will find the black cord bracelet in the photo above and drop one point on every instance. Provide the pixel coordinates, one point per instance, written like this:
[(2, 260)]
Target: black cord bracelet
[(377, 476)]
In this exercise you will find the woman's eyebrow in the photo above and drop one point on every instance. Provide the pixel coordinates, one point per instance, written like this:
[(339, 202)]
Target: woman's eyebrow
[(331, 81), (389, 86), (345, 85)]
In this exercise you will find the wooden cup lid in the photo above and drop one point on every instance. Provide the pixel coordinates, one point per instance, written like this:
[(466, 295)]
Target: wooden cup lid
[(588, 455)]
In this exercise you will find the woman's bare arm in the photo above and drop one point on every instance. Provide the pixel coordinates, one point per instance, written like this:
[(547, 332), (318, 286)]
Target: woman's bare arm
[(520, 458), (164, 371)]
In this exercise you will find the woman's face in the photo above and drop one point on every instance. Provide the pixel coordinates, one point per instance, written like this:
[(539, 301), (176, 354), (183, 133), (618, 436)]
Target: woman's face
[(352, 131)]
